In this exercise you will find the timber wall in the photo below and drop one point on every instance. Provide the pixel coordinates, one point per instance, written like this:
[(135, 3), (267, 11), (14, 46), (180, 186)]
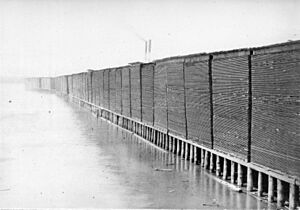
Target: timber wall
[(244, 103)]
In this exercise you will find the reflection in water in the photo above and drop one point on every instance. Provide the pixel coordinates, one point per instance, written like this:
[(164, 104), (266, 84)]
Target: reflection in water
[(54, 154)]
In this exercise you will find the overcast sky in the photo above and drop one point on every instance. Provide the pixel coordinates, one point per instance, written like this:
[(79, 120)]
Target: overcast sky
[(54, 37)]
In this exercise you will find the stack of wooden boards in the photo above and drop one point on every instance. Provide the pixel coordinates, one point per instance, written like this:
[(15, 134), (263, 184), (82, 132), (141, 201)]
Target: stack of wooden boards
[(242, 102)]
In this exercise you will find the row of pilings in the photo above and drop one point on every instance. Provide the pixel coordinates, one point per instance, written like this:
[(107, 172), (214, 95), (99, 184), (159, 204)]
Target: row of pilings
[(240, 176)]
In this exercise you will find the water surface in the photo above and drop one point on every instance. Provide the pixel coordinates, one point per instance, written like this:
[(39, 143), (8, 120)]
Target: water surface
[(55, 154)]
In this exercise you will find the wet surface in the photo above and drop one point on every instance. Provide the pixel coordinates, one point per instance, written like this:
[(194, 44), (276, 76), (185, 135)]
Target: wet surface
[(54, 154)]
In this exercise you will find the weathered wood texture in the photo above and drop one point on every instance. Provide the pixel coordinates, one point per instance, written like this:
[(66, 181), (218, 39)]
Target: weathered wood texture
[(198, 100), (106, 89), (230, 77), (276, 108), (135, 79), (112, 90), (119, 91), (126, 92), (242, 102), (147, 72), (176, 97), (160, 95)]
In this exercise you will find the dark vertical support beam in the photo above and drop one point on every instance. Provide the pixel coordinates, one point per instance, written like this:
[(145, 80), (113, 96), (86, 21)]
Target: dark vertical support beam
[(211, 100), (67, 83), (108, 89), (184, 92), (130, 109), (249, 105), (91, 79), (121, 85), (141, 92), (153, 104)]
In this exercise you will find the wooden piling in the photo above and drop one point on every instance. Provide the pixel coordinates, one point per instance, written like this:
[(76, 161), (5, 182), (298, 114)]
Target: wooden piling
[(212, 163), (240, 176), (280, 197), (202, 158), (293, 196), (191, 152), (182, 149), (178, 147), (186, 155), (270, 189), (153, 135), (249, 179), (206, 163), (218, 166), (174, 145), (159, 138), (259, 184), (147, 133), (166, 142), (195, 154), (232, 172), (225, 169)]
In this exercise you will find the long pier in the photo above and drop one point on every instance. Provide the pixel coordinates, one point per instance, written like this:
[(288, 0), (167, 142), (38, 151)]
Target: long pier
[(236, 113)]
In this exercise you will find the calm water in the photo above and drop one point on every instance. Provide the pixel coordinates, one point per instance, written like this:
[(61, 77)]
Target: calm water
[(54, 154)]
